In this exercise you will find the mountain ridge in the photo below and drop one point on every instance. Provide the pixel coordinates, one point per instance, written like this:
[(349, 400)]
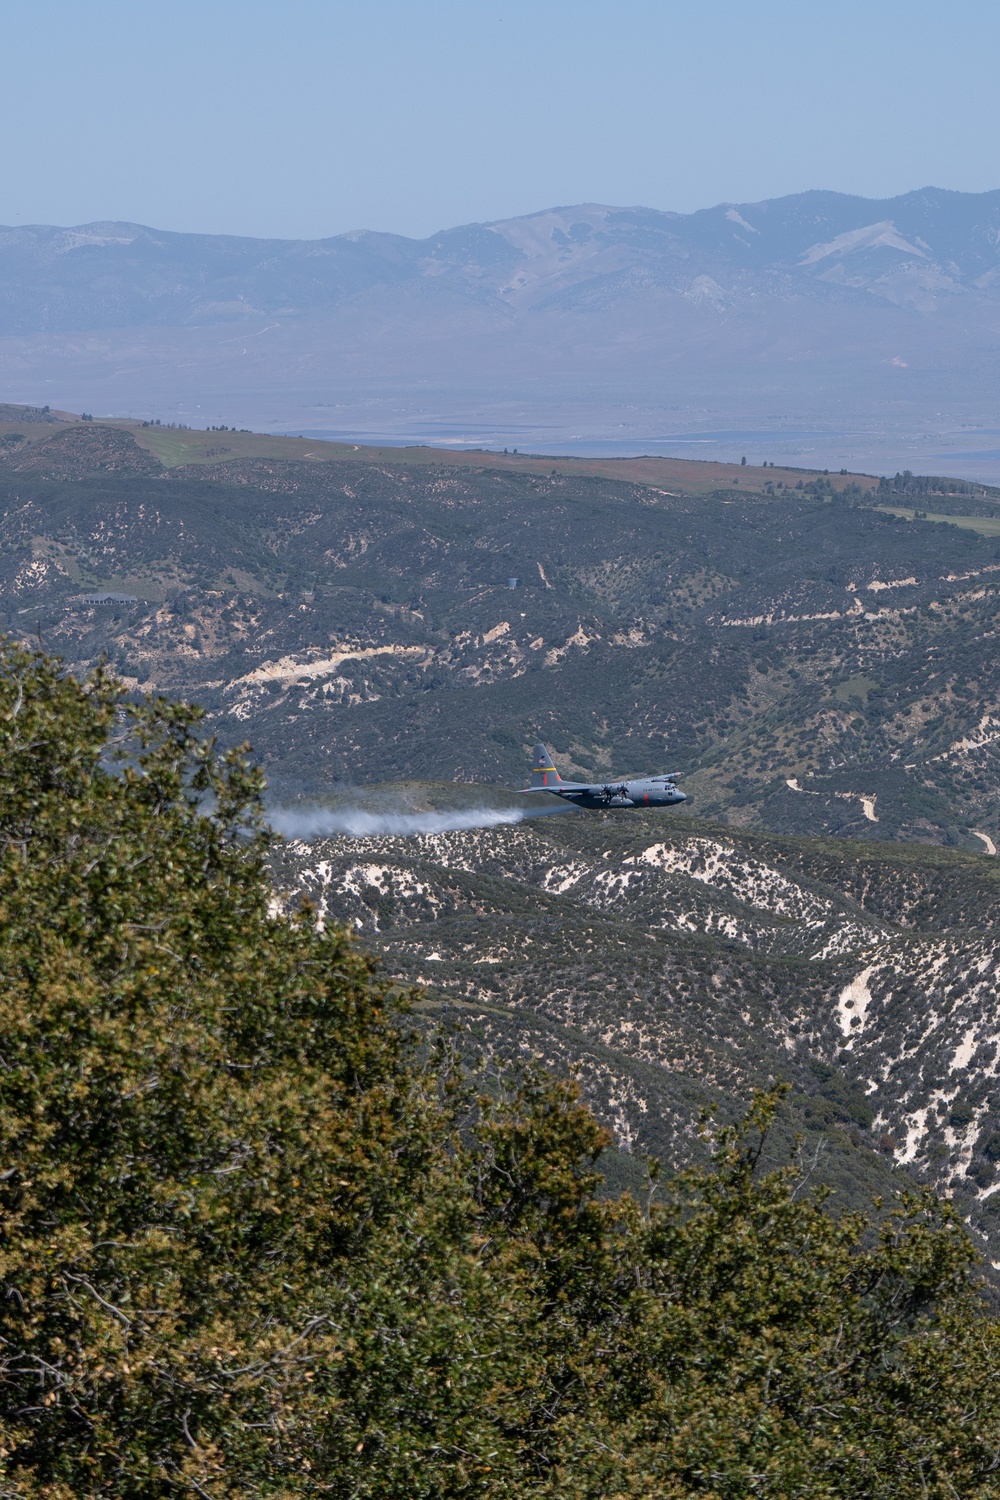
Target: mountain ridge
[(788, 236), (820, 329)]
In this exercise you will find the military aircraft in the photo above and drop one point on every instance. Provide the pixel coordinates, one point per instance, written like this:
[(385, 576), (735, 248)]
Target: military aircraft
[(639, 791)]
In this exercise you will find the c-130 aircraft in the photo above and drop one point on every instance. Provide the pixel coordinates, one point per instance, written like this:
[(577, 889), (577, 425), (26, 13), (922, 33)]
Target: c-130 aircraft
[(642, 791)]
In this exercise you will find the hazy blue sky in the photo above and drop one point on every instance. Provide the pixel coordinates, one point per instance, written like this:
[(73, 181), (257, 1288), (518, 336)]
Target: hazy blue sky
[(310, 117)]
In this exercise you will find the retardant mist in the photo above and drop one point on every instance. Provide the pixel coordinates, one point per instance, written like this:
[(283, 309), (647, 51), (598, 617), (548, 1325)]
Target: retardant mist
[(323, 822)]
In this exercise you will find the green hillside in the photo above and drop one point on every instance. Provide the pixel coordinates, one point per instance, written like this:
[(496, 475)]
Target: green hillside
[(678, 965), (812, 662)]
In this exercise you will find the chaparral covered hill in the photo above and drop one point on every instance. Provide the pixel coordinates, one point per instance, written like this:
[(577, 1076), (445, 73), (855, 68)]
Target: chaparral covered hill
[(677, 965), (814, 662)]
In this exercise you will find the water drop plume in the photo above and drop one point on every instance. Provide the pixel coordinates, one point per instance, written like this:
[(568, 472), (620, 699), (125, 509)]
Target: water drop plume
[(357, 822)]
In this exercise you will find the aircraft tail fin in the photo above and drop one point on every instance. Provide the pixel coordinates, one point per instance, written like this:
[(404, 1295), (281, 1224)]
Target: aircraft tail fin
[(543, 772)]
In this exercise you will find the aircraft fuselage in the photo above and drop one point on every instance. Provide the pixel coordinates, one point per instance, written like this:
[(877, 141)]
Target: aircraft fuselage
[(648, 792)]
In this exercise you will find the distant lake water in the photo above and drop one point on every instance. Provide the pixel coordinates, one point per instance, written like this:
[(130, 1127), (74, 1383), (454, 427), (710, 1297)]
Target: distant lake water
[(867, 452)]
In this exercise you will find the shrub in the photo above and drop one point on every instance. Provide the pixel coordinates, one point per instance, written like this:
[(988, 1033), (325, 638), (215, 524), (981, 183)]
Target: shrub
[(257, 1242)]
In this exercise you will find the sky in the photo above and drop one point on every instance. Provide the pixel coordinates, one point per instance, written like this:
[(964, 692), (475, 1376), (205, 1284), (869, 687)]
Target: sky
[(308, 118)]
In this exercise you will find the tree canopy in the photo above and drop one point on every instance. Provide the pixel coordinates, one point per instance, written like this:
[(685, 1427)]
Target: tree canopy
[(258, 1239)]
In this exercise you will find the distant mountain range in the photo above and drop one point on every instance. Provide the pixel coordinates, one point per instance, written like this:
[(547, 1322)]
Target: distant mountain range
[(908, 251), (818, 327)]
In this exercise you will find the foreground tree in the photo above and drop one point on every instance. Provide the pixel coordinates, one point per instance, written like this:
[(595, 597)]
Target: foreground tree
[(254, 1242)]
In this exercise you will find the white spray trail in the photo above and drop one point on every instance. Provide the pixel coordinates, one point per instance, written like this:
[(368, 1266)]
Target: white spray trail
[(320, 822)]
